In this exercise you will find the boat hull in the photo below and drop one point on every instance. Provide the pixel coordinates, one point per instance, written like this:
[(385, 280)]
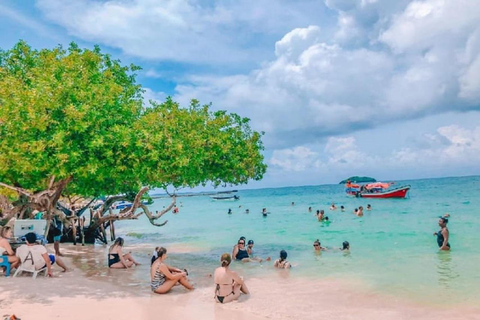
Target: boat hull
[(394, 193), (230, 198)]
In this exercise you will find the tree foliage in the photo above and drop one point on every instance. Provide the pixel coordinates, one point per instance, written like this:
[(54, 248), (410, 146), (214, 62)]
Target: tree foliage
[(79, 114)]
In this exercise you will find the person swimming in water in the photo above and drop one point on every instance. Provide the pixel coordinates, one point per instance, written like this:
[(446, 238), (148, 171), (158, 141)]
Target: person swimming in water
[(345, 246), (443, 234), (369, 207), (282, 263), (240, 253), (229, 211), (250, 245), (321, 215), (342, 208), (333, 207), (317, 246), (264, 212)]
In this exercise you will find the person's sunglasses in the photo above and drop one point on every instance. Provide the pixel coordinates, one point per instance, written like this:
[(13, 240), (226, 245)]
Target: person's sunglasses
[(316, 245), (241, 243)]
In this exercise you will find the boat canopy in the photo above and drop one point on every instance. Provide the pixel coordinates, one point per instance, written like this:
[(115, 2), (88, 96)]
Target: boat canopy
[(378, 185)]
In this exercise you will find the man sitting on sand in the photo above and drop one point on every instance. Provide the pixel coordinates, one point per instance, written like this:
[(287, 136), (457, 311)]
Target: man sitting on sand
[(36, 254)]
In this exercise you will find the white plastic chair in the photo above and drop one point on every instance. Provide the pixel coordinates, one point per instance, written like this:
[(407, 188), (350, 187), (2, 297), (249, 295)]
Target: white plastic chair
[(28, 266), (34, 272)]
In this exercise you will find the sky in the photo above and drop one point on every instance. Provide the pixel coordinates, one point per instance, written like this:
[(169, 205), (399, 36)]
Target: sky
[(387, 89)]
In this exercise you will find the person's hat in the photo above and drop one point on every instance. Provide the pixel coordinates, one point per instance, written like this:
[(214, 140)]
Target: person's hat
[(250, 241)]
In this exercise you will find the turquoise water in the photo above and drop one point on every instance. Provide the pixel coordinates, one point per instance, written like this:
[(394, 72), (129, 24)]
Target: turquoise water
[(393, 249)]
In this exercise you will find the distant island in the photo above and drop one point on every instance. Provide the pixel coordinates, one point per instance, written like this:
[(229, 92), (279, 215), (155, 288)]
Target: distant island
[(357, 179)]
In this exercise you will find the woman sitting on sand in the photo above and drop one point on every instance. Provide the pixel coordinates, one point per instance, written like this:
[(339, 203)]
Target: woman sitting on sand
[(228, 283), (282, 263), (164, 277), (118, 260), (6, 248)]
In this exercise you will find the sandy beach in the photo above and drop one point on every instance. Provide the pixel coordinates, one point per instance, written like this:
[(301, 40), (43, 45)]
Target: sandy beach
[(91, 290)]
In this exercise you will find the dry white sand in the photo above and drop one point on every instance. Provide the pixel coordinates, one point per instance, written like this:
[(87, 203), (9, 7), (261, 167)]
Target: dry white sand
[(92, 291)]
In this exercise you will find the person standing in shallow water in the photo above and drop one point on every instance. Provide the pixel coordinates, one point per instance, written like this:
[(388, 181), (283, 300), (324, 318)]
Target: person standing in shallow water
[(443, 234)]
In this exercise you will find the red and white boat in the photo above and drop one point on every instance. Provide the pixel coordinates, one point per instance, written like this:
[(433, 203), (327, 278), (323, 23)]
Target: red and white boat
[(400, 192)]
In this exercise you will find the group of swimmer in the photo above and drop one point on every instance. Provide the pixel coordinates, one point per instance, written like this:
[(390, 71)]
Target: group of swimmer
[(320, 214), (228, 284), (264, 211)]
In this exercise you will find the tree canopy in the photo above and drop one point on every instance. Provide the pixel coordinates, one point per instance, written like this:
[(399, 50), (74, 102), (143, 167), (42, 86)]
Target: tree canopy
[(357, 179), (78, 114)]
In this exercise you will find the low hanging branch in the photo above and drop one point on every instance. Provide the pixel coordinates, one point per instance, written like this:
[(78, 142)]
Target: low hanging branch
[(104, 213), (42, 201)]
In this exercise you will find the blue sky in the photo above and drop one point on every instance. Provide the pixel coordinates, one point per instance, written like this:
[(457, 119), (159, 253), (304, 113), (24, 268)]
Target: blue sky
[(389, 89)]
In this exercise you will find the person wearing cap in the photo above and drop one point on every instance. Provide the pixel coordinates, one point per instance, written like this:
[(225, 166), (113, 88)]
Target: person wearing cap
[(443, 234), (250, 252), (282, 263)]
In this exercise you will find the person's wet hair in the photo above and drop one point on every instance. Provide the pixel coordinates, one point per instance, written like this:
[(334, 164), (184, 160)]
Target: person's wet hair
[(345, 245), (283, 255), (225, 259)]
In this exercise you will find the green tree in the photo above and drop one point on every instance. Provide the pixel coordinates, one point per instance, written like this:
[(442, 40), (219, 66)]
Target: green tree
[(74, 122)]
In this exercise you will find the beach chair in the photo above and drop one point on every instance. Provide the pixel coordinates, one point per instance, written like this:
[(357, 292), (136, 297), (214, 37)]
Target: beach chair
[(4, 263), (31, 269), (27, 264)]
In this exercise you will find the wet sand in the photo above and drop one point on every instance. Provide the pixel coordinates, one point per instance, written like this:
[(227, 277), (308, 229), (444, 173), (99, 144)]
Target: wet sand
[(91, 290)]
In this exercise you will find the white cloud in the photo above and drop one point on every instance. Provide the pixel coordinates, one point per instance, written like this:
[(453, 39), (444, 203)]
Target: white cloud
[(214, 32), (152, 73), (314, 89), (296, 159), (341, 156), (150, 95)]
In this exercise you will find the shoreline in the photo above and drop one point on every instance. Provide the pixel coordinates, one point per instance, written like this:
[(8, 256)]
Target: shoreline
[(90, 290)]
